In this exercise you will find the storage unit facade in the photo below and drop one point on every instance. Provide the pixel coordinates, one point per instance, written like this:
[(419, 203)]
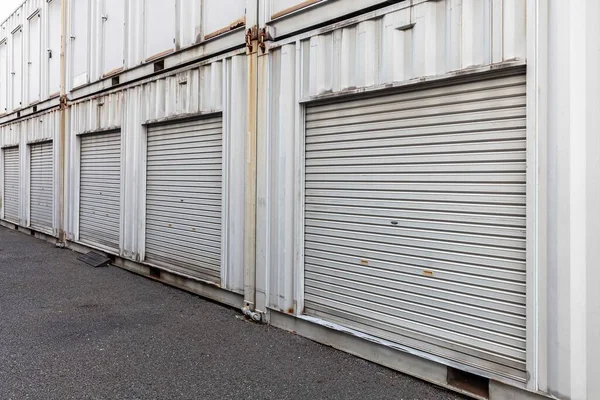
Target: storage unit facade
[(29, 161), (157, 172), (411, 181), (403, 195)]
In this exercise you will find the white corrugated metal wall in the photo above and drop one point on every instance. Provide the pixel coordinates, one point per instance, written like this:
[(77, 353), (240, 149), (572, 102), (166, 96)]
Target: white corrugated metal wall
[(332, 60), (389, 46), (395, 46), (214, 86)]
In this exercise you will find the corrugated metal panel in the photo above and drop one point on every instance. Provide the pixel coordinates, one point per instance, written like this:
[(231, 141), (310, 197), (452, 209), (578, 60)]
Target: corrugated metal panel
[(406, 41), (11, 184), (415, 219), (100, 189), (184, 197), (41, 186), (216, 85)]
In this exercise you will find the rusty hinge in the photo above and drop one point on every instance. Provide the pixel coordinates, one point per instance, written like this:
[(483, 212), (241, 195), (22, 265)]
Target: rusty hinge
[(251, 35), (63, 102), (263, 37)]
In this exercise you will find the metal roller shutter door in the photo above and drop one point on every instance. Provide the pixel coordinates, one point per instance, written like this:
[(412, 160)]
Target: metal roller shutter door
[(415, 220), (100, 189), (183, 197), (11, 184), (41, 186)]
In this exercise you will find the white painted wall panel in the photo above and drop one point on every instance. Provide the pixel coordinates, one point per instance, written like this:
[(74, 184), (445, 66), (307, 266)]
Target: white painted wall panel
[(189, 23), (112, 21), (53, 49), (4, 77), (34, 50), (16, 71), (159, 27), (79, 43), (220, 14), (39, 24)]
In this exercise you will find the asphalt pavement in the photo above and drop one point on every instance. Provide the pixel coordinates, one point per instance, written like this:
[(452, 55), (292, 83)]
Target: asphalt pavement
[(70, 331)]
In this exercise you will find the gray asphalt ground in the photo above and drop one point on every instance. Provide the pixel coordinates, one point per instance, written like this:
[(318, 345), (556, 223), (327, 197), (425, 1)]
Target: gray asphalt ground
[(69, 331)]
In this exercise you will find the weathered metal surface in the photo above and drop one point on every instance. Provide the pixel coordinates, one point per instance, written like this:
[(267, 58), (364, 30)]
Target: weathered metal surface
[(109, 37), (415, 219), (41, 180), (184, 202), (100, 189), (217, 86), (11, 199), (30, 55), (393, 44), (399, 45), (41, 128)]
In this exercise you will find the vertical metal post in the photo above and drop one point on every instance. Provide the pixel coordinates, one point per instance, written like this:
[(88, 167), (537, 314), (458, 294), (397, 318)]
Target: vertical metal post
[(64, 20), (250, 166)]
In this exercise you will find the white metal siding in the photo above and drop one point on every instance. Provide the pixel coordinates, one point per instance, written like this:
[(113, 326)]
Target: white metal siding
[(100, 185), (11, 184), (159, 27), (113, 29), (41, 185), (17, 69), (79, 42), (34, 57), (4, 77), (415, 219), (183, 197)]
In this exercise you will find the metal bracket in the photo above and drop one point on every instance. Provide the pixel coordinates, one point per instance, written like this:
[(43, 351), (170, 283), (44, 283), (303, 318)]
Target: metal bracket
[(255, 316), (251, 35), (263, 37), (63, 102)]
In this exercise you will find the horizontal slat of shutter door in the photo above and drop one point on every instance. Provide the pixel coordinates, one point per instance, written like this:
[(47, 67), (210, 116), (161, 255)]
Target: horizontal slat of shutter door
[(41, 184), (100, 189), (415, 220), (11, 184), (183, 197)]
